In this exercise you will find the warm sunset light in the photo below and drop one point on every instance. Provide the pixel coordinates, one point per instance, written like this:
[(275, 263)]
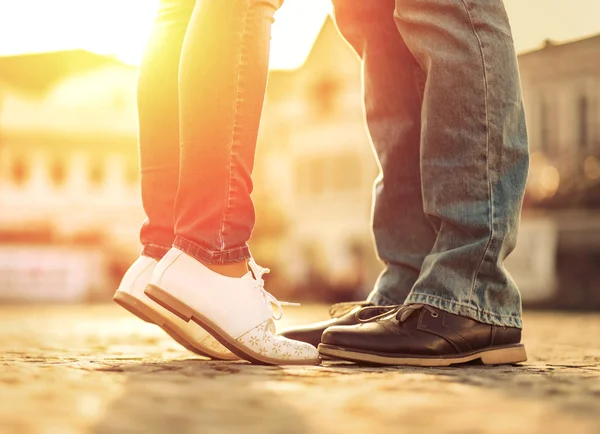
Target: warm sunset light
[(209, 224), (120, 27)]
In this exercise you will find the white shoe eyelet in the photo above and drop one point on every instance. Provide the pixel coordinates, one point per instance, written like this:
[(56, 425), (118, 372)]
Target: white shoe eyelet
[(435, 314)]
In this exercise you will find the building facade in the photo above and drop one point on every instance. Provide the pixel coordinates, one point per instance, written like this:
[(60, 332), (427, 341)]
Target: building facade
[(315, 158), (69, 167), (561, 88), (68, 160)]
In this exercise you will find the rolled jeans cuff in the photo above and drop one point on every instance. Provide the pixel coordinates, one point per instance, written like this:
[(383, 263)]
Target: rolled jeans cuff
[(215, 257)]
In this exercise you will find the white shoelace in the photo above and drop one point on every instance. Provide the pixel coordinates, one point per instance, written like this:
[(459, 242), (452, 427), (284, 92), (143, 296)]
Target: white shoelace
[(270, 299)]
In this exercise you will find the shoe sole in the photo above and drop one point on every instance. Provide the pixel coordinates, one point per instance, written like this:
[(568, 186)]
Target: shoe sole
[(505, 355), (187, 314), (131, 304), (134, 306)]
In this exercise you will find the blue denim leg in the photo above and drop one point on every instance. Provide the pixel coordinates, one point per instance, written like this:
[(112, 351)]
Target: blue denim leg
[(474, 154), (393, 80)]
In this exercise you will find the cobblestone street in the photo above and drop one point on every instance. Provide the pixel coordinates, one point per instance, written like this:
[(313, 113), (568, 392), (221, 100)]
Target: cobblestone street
[(96, 369)]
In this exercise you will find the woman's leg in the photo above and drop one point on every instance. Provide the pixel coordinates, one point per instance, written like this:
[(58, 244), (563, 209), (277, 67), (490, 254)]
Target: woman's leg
[(222, 80), (158, 108), (158, 112)]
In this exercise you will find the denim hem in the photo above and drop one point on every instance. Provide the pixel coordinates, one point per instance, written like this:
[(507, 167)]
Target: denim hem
[(218, 257), (463, 309), (155, 251)]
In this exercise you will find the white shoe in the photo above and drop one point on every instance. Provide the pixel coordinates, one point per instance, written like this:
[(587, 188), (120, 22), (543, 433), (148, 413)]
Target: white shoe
[(131, 296), (236, 311)]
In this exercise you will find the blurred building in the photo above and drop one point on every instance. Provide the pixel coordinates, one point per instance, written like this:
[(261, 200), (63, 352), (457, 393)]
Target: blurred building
[(317, 159), (68, 163), (561, 87), (69, 184)]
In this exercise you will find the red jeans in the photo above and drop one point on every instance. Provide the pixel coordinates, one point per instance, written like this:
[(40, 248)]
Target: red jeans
[(200, 95)]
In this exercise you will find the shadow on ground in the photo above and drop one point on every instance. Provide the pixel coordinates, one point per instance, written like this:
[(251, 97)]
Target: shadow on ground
[(98, 370), (191, 396), (196, 396)]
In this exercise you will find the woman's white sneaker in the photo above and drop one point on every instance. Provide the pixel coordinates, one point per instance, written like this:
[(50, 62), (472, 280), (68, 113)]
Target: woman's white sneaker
[(130, 295), (238, 312)]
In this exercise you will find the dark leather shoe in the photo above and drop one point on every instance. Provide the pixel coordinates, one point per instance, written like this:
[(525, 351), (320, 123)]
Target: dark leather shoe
[(342, 314), (421, 335)]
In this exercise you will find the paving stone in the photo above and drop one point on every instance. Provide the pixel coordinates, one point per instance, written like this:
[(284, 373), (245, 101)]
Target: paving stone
[(97, 369)]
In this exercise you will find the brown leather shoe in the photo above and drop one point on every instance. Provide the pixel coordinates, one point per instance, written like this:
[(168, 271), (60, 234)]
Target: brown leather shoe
[(342, 314), (422, 335)]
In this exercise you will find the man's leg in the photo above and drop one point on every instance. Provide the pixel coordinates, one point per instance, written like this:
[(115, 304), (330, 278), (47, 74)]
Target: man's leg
[(158, 112), (392, 95), (474, 156), (474, 160)]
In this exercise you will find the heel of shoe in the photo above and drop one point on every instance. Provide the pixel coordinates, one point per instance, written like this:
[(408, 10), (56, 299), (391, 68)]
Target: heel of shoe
[(504, 356), (133, 305), (169, 302)]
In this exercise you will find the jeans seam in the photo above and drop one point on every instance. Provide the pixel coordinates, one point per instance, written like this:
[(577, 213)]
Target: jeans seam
[(198, 252), (234, 126), (459, 303), (487, 160), (417, 73), (212, 252)]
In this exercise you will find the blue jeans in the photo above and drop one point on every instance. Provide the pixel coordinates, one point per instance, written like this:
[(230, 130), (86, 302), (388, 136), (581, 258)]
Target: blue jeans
[(445, 114), (200, 94)]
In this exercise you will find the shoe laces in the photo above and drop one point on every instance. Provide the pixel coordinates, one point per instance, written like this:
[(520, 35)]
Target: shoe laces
[(375, 313), (259, 283), (401, 311), (339, 309)]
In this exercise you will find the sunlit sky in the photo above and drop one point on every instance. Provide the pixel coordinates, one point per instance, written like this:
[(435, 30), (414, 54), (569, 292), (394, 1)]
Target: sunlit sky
[(120, 27)]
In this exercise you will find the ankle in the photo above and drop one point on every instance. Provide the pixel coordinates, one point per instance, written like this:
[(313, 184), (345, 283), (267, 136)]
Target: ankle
[(236, 269)]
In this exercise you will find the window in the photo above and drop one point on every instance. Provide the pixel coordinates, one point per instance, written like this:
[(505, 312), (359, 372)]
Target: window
[(332, 173), (58, 172), (346, 172), (582, 117), (19, 171), (324, 93), (318, 176), (97, 172)]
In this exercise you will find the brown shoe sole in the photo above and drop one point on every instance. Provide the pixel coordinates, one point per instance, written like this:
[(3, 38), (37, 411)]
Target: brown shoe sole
[(504, 355), (187, 314), (143, 312)]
